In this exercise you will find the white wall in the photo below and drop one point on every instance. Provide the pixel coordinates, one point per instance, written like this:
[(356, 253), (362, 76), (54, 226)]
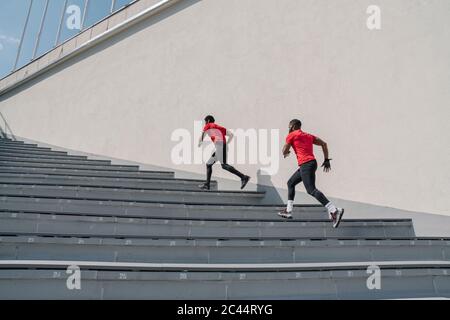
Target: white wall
[(380, 98)]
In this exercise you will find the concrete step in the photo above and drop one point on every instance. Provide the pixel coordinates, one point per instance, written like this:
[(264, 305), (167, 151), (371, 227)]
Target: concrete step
[(156, 227), (115, 280), (24, 147), (7, 141), (16, 144), (26, 156), (35, 246), (132, 195), (56, 161), (13, 150), (87, 166), (165, 184), (246, 221), (89, 173), (155, 208)]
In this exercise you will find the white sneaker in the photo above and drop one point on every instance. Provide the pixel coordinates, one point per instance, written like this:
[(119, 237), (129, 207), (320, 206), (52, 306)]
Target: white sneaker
[(337, 217), (285, 214)]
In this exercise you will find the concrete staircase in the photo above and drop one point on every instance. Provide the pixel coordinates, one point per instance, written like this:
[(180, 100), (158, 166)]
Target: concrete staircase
[(146, 235)]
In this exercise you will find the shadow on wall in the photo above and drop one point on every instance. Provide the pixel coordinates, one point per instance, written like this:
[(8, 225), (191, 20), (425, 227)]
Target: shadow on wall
[(174, 9), (5, 128), (264, 184)]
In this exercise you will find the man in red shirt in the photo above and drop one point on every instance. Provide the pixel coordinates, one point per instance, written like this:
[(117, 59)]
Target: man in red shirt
[(302, 143), (218, 136)]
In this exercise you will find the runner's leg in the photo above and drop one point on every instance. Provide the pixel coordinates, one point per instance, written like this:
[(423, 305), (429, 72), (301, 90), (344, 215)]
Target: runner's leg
[(292, 182), (222, 157), (209, 165), (308, 174), (308, 171)]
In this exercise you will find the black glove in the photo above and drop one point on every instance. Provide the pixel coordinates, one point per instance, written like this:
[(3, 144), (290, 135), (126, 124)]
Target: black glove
[(326, 165)]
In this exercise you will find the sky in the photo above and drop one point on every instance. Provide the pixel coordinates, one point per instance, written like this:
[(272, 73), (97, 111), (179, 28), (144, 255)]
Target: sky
[(12, 19), (13, 15)]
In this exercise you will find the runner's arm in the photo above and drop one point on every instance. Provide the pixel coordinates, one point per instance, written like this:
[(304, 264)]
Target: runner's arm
[(230, 136), (286, 150), (323, 144), (202, 137), (326, 164)]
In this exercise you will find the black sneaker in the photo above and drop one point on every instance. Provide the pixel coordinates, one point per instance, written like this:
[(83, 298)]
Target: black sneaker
[(337, 217), (204, 187), (285, 214), (244, 181)]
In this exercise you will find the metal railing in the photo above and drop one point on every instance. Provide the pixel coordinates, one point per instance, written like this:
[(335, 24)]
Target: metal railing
[(5, 128)]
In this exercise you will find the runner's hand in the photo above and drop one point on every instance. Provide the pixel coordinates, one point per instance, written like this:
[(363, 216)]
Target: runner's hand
[(286, 154), (326, 165)]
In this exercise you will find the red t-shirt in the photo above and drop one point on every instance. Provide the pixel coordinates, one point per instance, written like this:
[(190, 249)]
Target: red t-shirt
[(302, 143), (216, 132)]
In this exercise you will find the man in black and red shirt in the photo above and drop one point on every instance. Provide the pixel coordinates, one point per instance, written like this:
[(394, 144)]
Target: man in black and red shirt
[(218, 135), (302, 143)]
